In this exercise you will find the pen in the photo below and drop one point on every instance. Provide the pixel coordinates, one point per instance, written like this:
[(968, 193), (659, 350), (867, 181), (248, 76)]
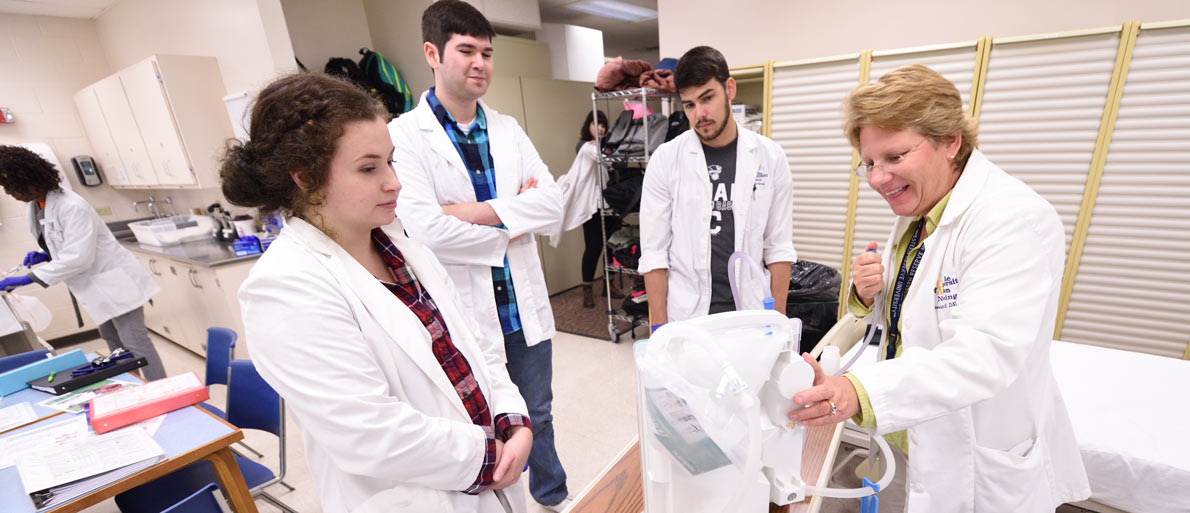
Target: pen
[(51, 380)]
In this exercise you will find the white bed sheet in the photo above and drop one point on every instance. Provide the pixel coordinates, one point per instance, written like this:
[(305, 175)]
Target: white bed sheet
[(1131, 416)]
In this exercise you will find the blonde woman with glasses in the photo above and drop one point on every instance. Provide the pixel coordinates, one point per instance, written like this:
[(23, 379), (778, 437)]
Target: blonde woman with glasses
[(969, 280)]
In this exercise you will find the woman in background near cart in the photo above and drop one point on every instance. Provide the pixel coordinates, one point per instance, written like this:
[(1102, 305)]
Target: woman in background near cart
[(582, 194), (77, 248)]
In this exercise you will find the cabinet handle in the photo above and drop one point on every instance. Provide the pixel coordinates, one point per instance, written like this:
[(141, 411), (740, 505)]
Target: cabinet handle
[(194, 279), (153, 267)]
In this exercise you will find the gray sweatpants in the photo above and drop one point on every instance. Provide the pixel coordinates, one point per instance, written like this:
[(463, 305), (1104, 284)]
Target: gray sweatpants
[(128, 331)]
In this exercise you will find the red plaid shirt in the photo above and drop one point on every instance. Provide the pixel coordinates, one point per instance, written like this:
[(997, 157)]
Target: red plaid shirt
[(454, 364)]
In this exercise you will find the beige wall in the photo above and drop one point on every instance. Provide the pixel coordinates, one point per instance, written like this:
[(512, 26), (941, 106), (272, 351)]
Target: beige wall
[(320, 30), (249, 49), (396, 33), (755, 31), (45, 61), (249, 39)]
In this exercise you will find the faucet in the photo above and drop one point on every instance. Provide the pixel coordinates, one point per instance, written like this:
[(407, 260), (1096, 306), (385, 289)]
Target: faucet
[(169, 201), (152, 204)]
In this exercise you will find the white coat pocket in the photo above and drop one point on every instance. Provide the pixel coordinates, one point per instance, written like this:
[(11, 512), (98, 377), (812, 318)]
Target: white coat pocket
[(1009, 482)]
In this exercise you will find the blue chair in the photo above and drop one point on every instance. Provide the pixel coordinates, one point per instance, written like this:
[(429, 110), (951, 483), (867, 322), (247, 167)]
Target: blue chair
[(203, 501), (221, 343), (11, 362), (251, 404)]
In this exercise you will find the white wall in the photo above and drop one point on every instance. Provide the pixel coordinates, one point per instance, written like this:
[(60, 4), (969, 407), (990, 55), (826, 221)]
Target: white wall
[(45, 61), (247, 44), (751, 32), (576, 53), (249, 38), (320, 30)]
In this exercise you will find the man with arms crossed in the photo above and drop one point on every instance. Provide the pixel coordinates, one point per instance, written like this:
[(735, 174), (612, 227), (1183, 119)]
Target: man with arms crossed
[(475, 192)]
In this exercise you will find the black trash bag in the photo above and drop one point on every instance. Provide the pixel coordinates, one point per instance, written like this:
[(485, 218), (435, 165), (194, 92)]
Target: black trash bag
[(813, 298)]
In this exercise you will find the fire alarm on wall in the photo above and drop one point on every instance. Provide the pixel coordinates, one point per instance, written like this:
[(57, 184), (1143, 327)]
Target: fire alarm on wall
[(5, 115)]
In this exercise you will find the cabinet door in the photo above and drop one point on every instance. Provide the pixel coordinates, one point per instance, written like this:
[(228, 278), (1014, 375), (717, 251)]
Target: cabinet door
[(180, 306), (103, 148), (142, 83), (210, 296), (155, 314), (126, 135)]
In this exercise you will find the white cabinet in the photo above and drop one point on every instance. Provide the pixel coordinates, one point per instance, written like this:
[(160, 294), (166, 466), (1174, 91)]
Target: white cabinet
[(147, 99), (194, 298), (103, 148), (519, 15), (123, 130), (166, 118)]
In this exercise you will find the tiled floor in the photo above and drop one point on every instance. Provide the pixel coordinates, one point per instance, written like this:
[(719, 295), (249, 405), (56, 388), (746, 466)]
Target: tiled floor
[(594, 415)]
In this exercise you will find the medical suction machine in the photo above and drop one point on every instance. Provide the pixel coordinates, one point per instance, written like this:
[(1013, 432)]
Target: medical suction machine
[(713, 394)]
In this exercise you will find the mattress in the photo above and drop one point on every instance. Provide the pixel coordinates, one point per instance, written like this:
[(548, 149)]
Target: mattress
[(1131, 416)]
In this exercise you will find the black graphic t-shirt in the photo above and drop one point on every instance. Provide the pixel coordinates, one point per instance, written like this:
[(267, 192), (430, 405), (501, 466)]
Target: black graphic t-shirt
[(721, 171)]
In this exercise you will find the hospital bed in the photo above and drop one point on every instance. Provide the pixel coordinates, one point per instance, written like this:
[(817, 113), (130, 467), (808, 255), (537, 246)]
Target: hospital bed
[(1131, 416)]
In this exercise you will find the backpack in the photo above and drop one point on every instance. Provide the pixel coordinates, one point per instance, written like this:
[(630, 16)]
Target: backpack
[(393, 90), (347, 68)]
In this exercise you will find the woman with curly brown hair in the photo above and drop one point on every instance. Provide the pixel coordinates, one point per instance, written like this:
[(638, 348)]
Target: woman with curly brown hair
[(77, 248), (403, 406)]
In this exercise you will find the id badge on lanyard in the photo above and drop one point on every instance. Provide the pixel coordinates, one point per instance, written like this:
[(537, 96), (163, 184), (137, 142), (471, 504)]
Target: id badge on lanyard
[(904, 279)]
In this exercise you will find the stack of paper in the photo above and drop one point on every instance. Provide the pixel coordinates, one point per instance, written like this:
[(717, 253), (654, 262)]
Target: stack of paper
[(70, 460)]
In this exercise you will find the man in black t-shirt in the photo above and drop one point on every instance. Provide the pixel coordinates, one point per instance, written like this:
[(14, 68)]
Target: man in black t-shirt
[(710, 192)]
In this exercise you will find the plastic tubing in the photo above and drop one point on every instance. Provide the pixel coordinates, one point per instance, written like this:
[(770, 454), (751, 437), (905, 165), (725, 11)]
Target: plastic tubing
[(735, 291), (877, 311), (856, 493)]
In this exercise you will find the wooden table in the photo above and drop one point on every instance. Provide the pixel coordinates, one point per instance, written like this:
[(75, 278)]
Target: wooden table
[(619, 488), (186, 435)]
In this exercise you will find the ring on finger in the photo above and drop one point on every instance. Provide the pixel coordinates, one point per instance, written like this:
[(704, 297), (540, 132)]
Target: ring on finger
[(834, 409)]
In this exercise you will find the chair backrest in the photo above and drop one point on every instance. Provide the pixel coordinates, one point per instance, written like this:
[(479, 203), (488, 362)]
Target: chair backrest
[(220, 343), (11, 362), (202, 501), (251, 402)]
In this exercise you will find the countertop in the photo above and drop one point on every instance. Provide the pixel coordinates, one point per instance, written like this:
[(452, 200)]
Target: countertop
[(206, 253)]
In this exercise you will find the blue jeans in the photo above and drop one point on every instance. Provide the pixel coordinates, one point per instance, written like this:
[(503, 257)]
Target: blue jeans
[(532, 370)]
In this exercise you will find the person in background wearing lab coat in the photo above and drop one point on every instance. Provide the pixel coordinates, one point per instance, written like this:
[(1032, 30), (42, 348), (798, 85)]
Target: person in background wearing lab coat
[(401, 405), (969, 281), (708, 193), (582, 194), (475, 193), (77, 248)]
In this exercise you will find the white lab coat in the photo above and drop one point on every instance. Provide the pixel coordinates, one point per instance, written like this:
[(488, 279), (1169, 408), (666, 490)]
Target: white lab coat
[(105, 278), (974, 388), (432, 174), (582, 191), (384, 429), (675, 217)]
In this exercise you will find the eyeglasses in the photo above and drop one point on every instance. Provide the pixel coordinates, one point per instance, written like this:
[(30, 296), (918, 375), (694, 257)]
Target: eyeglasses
[(102, 362), (863, 170)]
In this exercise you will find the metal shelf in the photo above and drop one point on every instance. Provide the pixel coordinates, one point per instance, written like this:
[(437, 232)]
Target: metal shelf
[(616, 159), (648, 93), (621, 269)]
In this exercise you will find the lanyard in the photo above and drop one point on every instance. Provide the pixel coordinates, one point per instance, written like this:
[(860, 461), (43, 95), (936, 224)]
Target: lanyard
[(904, 278)]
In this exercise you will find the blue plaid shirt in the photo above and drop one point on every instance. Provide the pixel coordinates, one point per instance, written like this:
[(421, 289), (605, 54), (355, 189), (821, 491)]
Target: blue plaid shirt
[(473, 148)]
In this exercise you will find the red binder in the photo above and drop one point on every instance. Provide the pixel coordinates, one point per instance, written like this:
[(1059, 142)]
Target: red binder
[(132, 405)]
